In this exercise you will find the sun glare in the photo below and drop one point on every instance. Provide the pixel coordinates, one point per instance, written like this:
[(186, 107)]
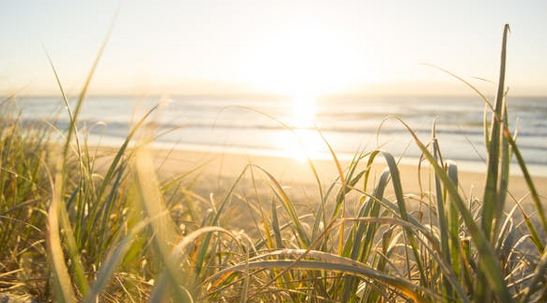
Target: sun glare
[(299, 61), (304, 141), (304, 108)]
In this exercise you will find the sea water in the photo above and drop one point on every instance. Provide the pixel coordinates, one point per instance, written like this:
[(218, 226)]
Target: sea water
[(297, 127)]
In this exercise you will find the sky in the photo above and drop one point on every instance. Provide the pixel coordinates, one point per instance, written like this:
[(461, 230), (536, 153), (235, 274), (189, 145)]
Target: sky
[(271, 47)]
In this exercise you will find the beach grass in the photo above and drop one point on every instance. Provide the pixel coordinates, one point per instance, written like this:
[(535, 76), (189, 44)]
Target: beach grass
[(71, 231)]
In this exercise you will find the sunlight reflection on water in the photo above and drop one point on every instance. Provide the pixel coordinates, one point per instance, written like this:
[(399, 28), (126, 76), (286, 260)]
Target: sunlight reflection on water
[(304, 141)]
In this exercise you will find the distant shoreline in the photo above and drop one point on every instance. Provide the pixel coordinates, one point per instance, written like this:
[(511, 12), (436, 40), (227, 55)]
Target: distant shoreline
[(247, 126)]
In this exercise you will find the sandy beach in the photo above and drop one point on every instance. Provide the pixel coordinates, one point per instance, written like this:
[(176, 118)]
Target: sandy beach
[(220, 170)]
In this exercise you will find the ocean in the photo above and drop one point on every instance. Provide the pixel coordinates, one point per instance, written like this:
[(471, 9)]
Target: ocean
[(288, 127)]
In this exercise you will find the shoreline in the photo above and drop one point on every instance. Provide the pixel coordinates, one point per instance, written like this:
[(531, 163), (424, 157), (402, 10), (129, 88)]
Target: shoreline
[(470, 166), (222, 168)]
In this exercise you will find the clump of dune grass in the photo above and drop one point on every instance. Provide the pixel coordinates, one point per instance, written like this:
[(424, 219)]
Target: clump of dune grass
[(72, 232), (24, 189)]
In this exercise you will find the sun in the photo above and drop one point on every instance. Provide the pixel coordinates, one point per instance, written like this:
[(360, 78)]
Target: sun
[(307, 60)]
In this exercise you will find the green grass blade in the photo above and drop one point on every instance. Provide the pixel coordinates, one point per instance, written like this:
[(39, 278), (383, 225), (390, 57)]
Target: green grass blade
[(398, 190), (491, 193), (454, 221)]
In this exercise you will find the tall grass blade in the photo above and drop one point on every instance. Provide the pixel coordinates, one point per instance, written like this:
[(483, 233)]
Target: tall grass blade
[(491, 192), (61, 278)]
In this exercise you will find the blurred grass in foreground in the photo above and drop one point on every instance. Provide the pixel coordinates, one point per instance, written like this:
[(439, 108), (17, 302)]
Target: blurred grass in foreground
[(72, 232)]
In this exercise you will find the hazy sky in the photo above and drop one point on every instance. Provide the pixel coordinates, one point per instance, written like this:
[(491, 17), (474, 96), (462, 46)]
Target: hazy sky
[(287, 47)]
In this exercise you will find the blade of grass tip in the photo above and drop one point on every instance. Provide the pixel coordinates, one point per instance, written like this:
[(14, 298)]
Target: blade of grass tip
[(91, 73), (73, 131), (72, 126), (489, 263), (481, 95), (491, 188)]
